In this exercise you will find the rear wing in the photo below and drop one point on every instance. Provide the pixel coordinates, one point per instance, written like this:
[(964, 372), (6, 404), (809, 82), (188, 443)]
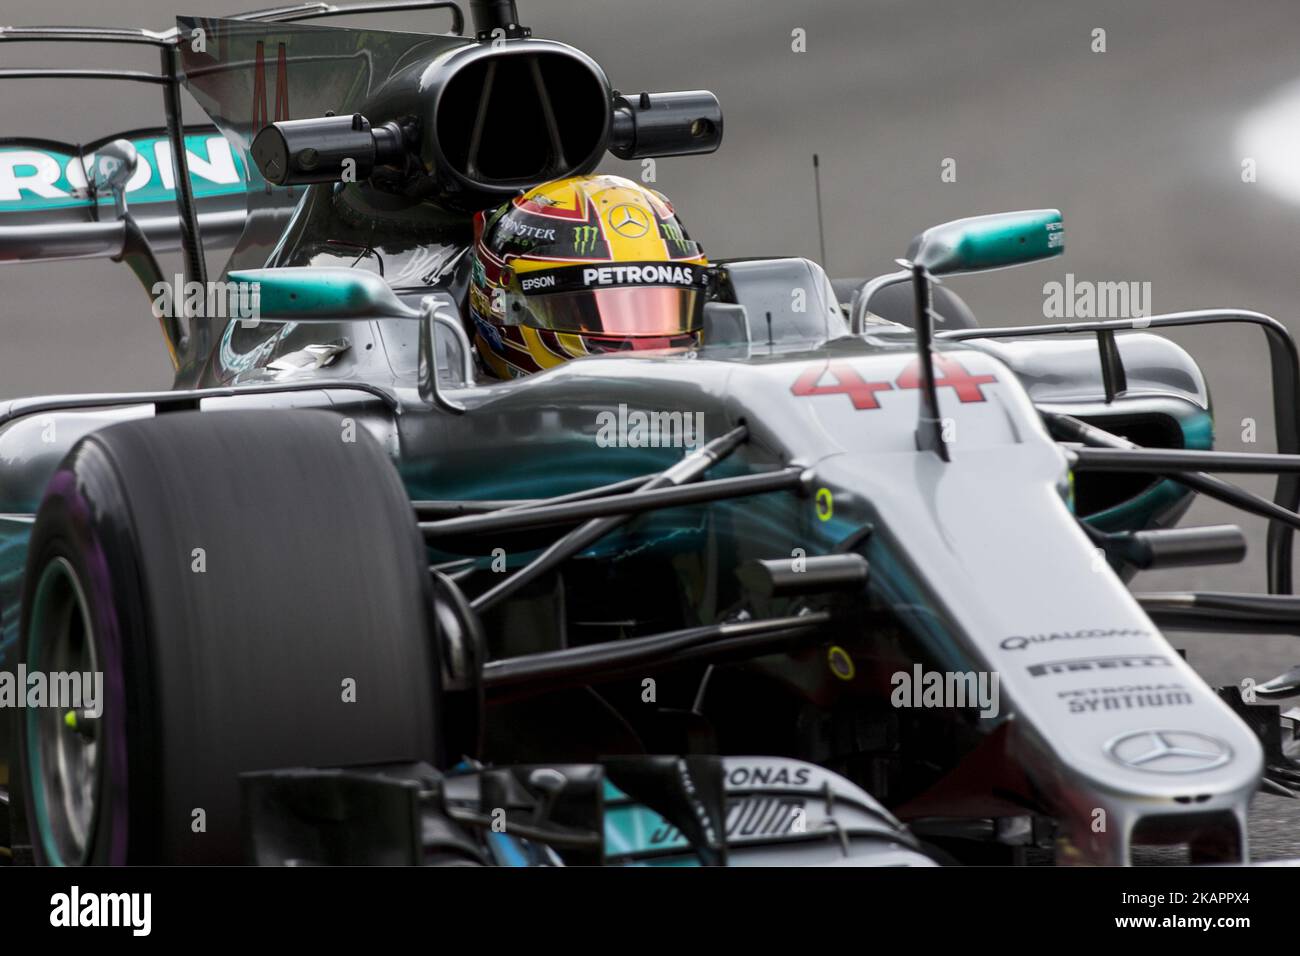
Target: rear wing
[(179, 184), (49, 209), (189, 182)]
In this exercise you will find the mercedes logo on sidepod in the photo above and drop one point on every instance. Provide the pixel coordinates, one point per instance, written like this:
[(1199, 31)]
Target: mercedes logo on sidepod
[(1169, 751)]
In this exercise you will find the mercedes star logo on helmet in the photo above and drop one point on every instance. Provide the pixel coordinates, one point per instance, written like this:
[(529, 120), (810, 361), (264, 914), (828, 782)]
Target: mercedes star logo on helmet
[(1169, 751), (630, 222)]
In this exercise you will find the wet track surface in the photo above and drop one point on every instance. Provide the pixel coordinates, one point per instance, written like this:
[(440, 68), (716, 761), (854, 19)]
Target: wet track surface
[(1140, 146)]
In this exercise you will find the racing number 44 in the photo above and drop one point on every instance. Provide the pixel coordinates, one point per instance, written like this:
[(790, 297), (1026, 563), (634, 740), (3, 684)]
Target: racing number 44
[(949, 373)]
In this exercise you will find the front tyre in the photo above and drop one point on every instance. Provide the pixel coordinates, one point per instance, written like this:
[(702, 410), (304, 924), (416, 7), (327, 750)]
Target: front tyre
[(252, 589)]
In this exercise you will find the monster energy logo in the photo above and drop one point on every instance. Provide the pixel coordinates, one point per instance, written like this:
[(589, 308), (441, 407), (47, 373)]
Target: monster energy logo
[(584, 239), (673, 233)]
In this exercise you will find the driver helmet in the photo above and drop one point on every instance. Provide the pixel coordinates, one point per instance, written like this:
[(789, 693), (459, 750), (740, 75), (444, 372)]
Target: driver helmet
[(582, 265)]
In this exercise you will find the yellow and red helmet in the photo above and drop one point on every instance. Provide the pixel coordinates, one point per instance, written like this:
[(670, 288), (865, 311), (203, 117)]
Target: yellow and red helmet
[(582, 265)]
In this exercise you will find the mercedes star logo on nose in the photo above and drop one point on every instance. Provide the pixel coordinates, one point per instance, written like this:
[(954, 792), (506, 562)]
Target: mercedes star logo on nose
[(630, 222), (1169, 751)]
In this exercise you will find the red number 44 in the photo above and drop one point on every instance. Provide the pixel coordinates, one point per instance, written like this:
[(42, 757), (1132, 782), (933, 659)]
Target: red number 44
[(949, 373)]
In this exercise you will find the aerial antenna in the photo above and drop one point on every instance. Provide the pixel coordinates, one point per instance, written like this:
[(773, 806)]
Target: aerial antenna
[(817, 185)]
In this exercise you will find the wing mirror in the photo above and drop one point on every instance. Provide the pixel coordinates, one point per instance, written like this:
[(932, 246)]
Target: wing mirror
[(967, 245), (976, 244), (306, 294), (114, 165), (981, 243)]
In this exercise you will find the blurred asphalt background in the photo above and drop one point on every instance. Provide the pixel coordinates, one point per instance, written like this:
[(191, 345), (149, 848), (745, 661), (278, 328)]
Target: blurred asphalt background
[(1140, 146)]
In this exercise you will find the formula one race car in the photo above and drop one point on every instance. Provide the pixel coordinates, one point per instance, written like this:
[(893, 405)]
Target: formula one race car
[(825, 573)]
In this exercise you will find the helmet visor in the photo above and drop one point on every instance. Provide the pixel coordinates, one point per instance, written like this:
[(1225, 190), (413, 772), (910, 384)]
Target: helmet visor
[(619, 299), (655, 310)]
